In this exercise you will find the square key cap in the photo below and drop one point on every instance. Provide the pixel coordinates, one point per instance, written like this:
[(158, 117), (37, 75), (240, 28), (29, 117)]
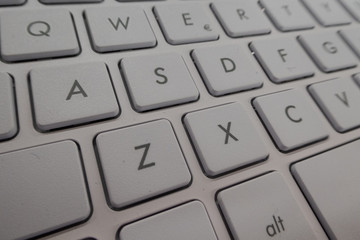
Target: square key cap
[(290, 119), (283, 59), (43, 189), (37, 34), (185, 22), (224, 138), (119, 28), (141, 162), (73, 94), (227, 69), (263, 208), (339, 100), (329, 51), (156, 81)]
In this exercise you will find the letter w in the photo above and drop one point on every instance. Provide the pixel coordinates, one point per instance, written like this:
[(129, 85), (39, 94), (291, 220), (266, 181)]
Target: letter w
[(118, 22)]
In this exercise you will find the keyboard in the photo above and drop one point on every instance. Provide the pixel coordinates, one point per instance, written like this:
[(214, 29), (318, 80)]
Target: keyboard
[(197, 119)]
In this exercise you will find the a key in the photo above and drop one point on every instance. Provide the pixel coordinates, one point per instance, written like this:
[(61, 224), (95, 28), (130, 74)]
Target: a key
[(224, 138), (327, 12), (11, 2), (351, 36), (330, 182), (328, 51), (240, 19), (226, 69), (273, 210), (70, 1), (290, 119), (189, 221), (288, 15), (158, 83), (353, 6), (8, 126), (119, 28), (185, 23), (42, 190), (72, 94), (37, 34), (141, 162), (282, 59), (339, 100)]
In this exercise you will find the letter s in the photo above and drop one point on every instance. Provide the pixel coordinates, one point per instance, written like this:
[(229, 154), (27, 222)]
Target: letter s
[(165, 79)]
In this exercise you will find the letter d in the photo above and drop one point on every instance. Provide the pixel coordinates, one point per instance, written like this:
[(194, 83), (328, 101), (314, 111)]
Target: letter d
[(228, 64)]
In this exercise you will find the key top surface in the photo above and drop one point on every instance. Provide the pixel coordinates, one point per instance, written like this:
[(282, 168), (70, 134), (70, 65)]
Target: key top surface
[(8, 126), (351, 36), (263, 208), (119, 28), (329, 51), (189, 221), (224, 138), (185, 23), (226, 69), (141, 162), (72, 94), (339, 99), (37, 34), (330, 182), (288, 15), (42, 190), (240, 19), (328, 12), (157, 84), (290, 119), (282, 59)]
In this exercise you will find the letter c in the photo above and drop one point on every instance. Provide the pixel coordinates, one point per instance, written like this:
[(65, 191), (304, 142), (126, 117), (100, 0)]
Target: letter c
[(296, 120)]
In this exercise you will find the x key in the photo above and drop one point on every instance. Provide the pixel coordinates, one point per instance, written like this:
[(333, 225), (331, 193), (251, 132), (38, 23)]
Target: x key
[(228, 133), (215, 155)]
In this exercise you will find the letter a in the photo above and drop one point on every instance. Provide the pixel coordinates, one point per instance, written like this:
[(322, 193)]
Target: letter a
[(73, 90)]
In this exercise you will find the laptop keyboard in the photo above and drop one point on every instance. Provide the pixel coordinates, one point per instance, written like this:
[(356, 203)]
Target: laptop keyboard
[(179, 119)]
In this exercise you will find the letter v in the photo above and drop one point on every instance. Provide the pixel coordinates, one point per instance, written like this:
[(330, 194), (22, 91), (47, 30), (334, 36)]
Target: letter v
[(118, 22), (343, 98)]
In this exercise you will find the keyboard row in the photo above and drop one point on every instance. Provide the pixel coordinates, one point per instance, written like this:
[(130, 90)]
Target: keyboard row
[(48, 182), (39, 34)]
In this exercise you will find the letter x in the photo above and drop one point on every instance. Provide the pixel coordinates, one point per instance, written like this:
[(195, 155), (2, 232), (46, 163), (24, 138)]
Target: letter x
[(228, 133)]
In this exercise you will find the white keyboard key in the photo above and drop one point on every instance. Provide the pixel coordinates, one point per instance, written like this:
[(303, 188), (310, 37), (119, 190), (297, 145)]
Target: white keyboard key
[(288, 15), (37, 34), (185, 23), (351, 36), (339, 100), (353, 6), (70, 1), (330, 182), (189, 221), (141, 162), (42, 190), (119, 28), (290, 119), (241, 19), (11, 2), (162, 76), (224, 138), (273, 210), (283, 59), (328, 51), (226, 69), (8, 126), (74, 94), (328, 12)]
